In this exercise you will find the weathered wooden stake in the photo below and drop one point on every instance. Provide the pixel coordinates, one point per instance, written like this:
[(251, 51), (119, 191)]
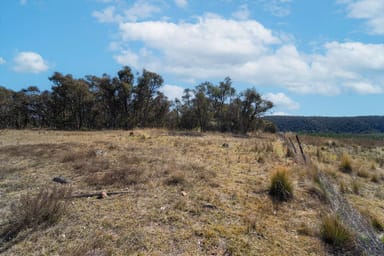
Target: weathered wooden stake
[(301, 149)]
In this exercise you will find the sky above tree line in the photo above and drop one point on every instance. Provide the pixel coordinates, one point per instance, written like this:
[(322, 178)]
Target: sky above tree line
[(310, 57)]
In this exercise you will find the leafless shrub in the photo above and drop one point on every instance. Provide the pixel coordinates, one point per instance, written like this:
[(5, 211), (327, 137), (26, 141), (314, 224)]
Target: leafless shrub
[(31, 211)]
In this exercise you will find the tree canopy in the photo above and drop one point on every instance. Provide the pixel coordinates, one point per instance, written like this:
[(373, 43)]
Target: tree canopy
[(123, 102)]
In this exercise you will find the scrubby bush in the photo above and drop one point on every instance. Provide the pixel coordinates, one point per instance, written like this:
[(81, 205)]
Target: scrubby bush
[(281, 187), (334, 232), (32, 211)]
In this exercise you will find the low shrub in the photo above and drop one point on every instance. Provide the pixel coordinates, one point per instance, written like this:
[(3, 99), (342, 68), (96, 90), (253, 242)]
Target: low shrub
[(333, 232), (32, 211), (281, 187)]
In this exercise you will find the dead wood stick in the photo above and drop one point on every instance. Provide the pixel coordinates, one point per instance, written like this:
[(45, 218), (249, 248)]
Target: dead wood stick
[(99, 194), (292, 145), (301, 149)]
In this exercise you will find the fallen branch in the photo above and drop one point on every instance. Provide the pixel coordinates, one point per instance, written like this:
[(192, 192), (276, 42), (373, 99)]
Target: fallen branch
[(99, 194)]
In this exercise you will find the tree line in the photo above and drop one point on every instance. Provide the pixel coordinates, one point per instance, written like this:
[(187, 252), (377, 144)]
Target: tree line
[(123, 102)]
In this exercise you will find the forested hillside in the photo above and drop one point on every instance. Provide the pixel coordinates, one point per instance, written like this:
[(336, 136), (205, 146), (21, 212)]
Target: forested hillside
[(360, 124)]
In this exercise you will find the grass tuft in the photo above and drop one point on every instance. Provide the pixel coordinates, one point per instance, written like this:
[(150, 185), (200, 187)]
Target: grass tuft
[(346, 164), (334, 232), (119, 176), (377, 224), (176, 178), (281, 187)]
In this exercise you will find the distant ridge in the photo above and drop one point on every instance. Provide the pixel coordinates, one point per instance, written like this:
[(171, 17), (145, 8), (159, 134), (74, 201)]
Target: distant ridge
[(316, 124)]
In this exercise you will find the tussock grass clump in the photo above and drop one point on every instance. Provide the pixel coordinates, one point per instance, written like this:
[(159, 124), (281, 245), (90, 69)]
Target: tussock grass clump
[(377, 224), (356, 186), (375, 179), (281, 187), (176, 178), (77, 156), (32, 211), (333, 232), (346, 164), (119, 176), (363, 173), (85, 166)]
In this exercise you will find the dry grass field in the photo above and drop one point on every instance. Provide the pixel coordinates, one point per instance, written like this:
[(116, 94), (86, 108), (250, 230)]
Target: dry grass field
[(184, 193)]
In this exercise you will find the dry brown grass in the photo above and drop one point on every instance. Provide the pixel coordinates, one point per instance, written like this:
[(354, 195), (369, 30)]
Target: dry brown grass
[(188, 195)]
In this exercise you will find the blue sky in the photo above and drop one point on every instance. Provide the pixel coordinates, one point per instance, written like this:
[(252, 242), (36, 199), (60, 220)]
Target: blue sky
[(309, 57)]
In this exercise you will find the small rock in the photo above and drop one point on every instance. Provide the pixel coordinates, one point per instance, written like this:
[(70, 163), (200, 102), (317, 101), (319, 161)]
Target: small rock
[(99, 152), (209, 206), (103, 195), (183, 193), (225, 145), (60, 180)]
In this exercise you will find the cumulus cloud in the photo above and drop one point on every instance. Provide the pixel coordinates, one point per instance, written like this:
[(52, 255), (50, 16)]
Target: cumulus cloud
[(29, 62), (181, 3), (172, 91), (369, 10), (2, 61), (212, 41), (213, 47), (282, 101)]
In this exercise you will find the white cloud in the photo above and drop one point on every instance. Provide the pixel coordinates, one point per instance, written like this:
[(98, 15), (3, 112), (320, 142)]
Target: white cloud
[(279, 113), (2, 61), (282, 101), (172, 91), (23, 2), (118, 13), (181, 3), (141, 9), (210, 41), (127, 57), (242, 12), (107, 15), (369, 10), (29, 62), (279, 8), (364, 88), (213, 47)]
